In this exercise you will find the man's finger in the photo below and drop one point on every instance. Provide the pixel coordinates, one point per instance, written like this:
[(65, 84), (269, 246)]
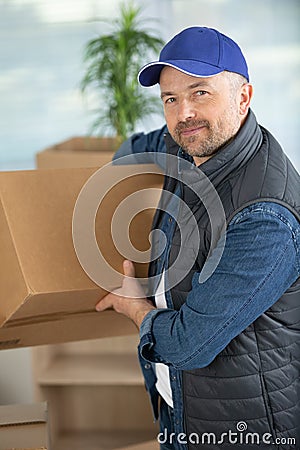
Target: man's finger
[(105, 303), (128, 267)]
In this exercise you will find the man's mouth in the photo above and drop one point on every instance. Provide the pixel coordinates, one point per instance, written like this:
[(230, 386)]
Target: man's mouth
[(191, 131)]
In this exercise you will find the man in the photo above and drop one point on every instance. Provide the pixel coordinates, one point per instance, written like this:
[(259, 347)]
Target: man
[(220, 344)]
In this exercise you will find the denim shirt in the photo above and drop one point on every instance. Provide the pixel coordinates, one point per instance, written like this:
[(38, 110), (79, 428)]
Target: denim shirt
[(260, 261)]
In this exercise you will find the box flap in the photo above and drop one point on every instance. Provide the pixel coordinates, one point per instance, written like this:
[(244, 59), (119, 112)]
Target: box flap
[(54, 330), (13, 287), (39, 207)]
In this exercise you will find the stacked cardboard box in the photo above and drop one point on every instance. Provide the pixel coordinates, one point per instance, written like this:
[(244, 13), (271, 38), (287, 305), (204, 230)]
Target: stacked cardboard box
[(24, 427), (78, 151)]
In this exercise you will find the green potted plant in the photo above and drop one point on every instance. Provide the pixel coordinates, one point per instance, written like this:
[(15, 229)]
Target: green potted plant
[(112, 63)]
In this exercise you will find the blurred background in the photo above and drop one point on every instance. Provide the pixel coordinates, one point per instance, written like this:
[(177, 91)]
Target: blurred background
[(41, 66)]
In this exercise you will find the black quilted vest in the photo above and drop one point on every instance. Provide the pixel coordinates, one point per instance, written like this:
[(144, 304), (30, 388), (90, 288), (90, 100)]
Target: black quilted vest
[(256, 378)]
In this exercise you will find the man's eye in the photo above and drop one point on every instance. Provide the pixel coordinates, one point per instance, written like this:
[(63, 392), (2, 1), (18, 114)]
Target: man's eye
[(201, 93), (170, 100)]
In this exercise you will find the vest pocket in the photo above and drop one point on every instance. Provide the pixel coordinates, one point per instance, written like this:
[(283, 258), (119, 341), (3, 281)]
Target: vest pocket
[(267, 405)]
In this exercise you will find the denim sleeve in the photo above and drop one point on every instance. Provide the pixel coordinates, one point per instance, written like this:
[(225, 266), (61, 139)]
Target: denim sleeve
[(259, 263), (142, 148)]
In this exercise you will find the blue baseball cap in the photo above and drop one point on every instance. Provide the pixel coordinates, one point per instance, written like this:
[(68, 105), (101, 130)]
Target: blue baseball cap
[(197, 51)]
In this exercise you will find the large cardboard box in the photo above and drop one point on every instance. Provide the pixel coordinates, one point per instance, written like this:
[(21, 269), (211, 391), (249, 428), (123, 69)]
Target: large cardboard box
[(24, 427), (86, 151), (45, 294)]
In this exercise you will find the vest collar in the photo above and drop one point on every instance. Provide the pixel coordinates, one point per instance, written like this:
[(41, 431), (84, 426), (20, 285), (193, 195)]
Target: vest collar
[(238, 152)]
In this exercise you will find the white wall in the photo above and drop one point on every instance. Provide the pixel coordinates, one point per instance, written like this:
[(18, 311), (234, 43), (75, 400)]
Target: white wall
[(41, 66), (15, 376)]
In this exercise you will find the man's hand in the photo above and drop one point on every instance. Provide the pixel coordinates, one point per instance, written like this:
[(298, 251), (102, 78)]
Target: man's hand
[(130, 299)]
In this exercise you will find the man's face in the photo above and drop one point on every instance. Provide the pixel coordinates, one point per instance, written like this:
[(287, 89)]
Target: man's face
[(202, 114)]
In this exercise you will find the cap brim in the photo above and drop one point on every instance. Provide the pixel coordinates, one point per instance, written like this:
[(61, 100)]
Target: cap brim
[(149, 75)]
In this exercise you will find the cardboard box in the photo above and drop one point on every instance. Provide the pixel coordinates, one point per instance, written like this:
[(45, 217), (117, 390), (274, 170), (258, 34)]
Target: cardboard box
[(45, 295), (78, 152), (24, 427)]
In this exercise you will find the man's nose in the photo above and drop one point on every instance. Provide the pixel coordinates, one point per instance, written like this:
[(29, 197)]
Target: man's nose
[(186, 111)]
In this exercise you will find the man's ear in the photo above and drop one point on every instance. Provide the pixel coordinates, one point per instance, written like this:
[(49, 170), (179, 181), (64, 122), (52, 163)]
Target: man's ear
[(245, 98)]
